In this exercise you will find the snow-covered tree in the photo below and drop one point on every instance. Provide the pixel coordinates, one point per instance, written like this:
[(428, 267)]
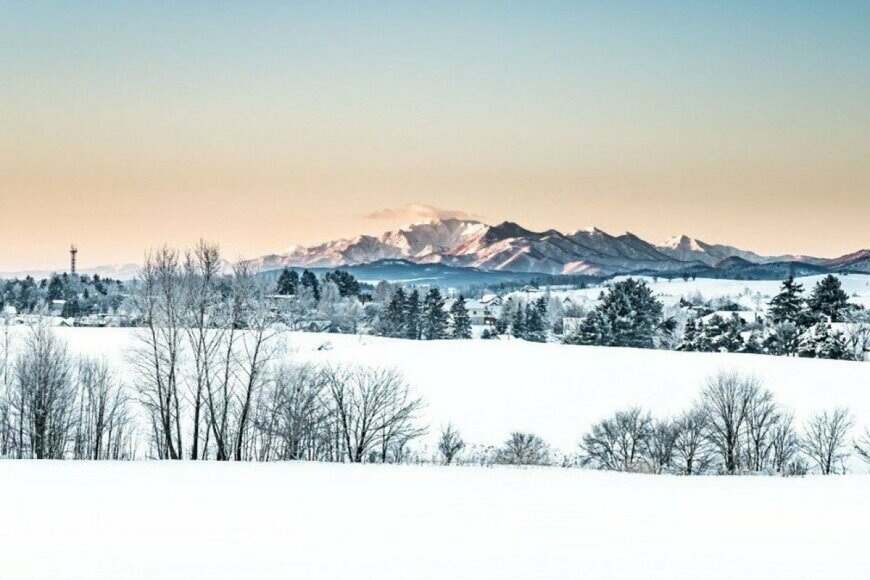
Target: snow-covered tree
[(628, 315), (461, 321), (788, 304), (287, 282), (435, 318), (829, 300), (413, 316)]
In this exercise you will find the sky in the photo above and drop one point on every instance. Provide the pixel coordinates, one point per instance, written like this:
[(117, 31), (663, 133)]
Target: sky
[(125, 125)]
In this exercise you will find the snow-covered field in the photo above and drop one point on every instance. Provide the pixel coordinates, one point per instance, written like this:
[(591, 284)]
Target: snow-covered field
[(489, 388), (167, 521), (103, 520), (749, 293)]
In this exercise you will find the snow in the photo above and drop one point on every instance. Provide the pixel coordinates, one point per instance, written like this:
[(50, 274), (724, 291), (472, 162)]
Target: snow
[(184, 520), (489, 388), (857, 286)]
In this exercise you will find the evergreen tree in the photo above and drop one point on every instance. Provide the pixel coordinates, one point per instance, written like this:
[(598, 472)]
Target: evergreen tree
[(461, 320), (534, 324), (783, 339), (413, 318), (518, 322), (629, 315), (594, 329), (829, 299), (753, 345), (504, 318), (541, 307), (309, 280), (393, 322), (732, 338), (55, 288), (435, 318), (347, 284), (788, 304), (287, 282), (821, 342), (690, 337)]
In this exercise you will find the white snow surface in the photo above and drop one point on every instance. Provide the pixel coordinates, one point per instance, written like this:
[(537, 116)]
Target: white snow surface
[(191, 520), (186, 520), (488, 388)]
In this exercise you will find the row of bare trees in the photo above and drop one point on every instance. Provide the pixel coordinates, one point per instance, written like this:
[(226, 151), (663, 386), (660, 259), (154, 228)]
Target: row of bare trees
[(337, 413), (735, 427), (205, 343), (56, 406), (210, 376)]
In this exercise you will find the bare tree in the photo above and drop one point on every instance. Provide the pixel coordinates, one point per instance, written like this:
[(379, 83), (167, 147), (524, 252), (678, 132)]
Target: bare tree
[(206, 324), (6, 419), (523, 449), (661, 446), (293, 417), (727, 400), (104, 427), (159, 300), (862, 446), (762, 416), (258, 347), (619, 442), (691, 447), (785, 446), (45, 397), (824, 440), (450, 443), (372, 407)]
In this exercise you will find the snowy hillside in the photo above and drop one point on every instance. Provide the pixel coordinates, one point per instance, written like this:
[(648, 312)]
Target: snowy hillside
[(490, 388)]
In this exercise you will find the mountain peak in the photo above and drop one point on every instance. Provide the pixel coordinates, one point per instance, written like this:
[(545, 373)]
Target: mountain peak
[(508, 246)]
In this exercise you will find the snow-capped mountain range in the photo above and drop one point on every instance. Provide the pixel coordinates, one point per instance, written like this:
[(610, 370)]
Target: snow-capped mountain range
[(512, 248)]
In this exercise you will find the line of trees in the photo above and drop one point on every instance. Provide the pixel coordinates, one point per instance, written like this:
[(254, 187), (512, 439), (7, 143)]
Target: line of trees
[(406, 315), (735, 427), (54, 405), (82, 294), (796, 326)]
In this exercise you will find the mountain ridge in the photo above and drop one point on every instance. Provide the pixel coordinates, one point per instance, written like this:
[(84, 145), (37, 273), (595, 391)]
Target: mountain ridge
[(510, 247)]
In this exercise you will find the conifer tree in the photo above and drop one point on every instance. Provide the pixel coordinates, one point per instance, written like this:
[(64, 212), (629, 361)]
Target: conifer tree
[(753, 345), (690, 337), (629, 315), (287, 282), (435, 317), (55, 288), (829, 299), (461, 320), (393, 323), (783, 339), (309, 280), (534, 324), (788, 304), (518, 322), (413, 320), (347, 284)]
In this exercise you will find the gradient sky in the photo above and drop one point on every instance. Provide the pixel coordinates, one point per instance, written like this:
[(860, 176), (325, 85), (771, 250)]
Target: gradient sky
[(265, 124)]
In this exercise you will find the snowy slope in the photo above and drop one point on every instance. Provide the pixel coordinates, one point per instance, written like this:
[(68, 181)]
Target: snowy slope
[(489, 388), (689, 249), (184, 520)]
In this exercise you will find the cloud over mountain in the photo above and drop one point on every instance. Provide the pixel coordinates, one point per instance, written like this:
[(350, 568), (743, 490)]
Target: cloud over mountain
[(413, 213)]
